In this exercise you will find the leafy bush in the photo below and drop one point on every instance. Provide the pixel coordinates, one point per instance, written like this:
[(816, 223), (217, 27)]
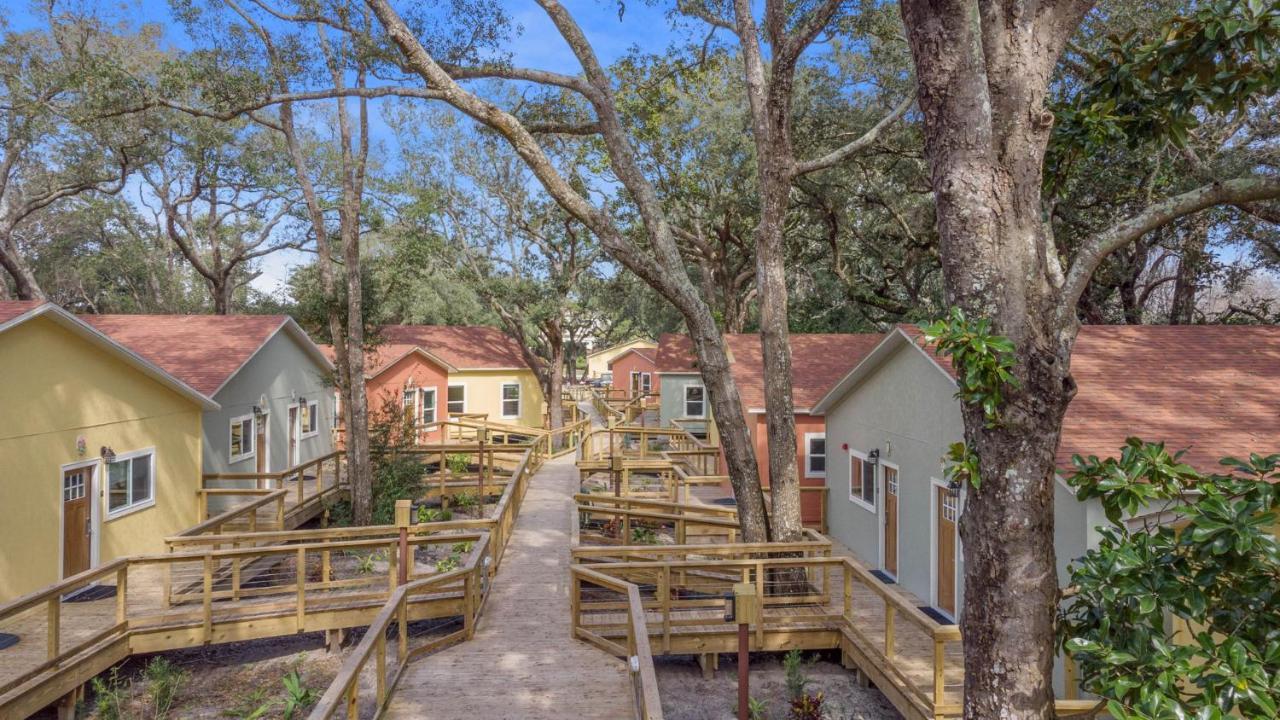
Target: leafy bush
[(298, 696), (463, 547), (467, 502), (458, 463), (450, 563), (340, 513), (1204, 562), (426, 514), (756, 710), (164, 679), (643, 536), (395, 477)]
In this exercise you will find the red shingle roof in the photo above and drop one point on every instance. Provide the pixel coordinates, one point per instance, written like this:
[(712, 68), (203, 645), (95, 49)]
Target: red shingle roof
[(203, 351), (10, 309), (381, 357), (647, 353), (466, 347), (1206, 389), (818, 362)]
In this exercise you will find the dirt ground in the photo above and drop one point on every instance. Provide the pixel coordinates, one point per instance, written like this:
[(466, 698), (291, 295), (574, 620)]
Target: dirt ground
[(235, 680), (687, 696)]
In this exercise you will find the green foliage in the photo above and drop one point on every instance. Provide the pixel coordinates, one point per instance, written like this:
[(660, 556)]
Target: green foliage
[(110, 696), (298, 696), (364, 563), (340, 513), (163, 682), (449, 563), (794, 674), (458, 462), (1160, 86), (961, 465), (395, 477), (428, 514), (807, 707), (643, 536), (983, 360), (1211, 573), (164, 679), (756, 709), (463, 547), (467, 502)]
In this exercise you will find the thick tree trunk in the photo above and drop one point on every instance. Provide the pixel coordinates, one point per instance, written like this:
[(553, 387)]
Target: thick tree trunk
[(222, 290), (1186, 286), (25, 285)]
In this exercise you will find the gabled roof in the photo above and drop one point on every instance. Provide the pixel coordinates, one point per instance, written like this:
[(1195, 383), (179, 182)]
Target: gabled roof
[(818, 360), (647, 353), (465, 347), (382, 357), (1212, 390), (675, 354), (204, 351), (15, 313), (647, 343)]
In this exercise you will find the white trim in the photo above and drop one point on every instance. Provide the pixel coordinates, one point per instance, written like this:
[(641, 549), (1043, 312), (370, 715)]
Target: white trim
[(860, 502), (502, 400), (132, 507), (265, 419), (884, 515), (422, 405), (794, 411), (439, 361), (935, 483), (95, 512), (293, 431), (232, 457), (685, 409), (465, 393), (808, 471), (303, 434)]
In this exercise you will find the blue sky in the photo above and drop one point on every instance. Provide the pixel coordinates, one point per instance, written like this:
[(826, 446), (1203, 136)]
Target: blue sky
[(538, 45)]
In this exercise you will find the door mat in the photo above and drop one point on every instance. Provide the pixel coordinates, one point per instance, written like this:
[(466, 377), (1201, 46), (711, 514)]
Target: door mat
[(730, 502), (884, 577), (91, 593), (8, 640), (936, 615)]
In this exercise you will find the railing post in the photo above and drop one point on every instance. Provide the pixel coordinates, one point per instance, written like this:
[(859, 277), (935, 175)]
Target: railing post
[(889, 611), (939, 666), (207, 600), (53, 621), (301, 579), (402, 619), (380, 648), (846, 570), (122, 591), (760, 588), (665, 589)]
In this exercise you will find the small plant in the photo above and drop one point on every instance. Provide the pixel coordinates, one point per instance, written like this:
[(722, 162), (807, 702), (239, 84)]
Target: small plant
[(463, 548), (450, 563), (466, 502), (298, 696), (109, 696), (458, 463), (643, 536), (807, 707), (364, 564), (429, 515), (163, 682), (796, 678), (340, 513), (254, 707), (756, 710)]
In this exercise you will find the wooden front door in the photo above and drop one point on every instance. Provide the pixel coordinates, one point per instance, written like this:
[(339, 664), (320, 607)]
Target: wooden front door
[(260, 442), (948, 505), (891, 520), (293, 436), (77, 520)]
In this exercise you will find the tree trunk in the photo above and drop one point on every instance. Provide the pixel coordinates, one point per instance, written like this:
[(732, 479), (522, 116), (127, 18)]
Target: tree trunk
[(555, 386), (1182, 309), (222, 290), (25, 285)]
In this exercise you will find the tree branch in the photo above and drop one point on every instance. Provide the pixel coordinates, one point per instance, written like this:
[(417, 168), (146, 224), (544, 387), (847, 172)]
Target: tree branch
[(857, 146)]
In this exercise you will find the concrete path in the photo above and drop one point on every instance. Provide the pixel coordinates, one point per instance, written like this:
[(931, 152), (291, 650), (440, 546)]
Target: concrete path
[(523, 663)]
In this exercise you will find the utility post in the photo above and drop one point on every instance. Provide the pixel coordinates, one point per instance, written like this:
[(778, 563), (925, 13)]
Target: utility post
[(482, 435), (743, 607), (403, 508)]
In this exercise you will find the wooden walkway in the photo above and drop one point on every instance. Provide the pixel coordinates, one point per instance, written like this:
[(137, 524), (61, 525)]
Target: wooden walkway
[(523, 662)]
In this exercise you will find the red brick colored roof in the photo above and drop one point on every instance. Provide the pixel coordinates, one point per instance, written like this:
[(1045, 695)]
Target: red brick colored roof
[(818, 362), (675, 353), (1206, 389), (466, 347), (203, 351), (10, 309), (383, 357), (647, 353)]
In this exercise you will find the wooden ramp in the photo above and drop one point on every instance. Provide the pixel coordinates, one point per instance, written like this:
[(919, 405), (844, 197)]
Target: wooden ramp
[(523, 661)]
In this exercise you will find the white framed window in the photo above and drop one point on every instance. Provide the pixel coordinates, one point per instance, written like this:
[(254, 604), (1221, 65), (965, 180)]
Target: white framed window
[(409, 401), (815, 455), (457, 400), (242, 438), (695, 401), (428, 405), (131, 482), (862, 480), (646, 383), (510, 400), (309, 418)]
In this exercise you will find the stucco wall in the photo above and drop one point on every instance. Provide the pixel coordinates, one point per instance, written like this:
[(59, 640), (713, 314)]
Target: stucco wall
[(283, 372), (389, 387), (597, 365), (623, 367), (672, 407), (484, 394), (59, 387)]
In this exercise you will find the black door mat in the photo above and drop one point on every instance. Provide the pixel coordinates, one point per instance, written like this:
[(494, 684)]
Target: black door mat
[(91, 593), (8, 640), (730, 502), (884, 577), (936, 615)]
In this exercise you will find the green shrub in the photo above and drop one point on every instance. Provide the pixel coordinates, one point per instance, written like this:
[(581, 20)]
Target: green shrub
[(427, 515), (458, 463), (796, 678), (807, 707), (450, 563), (298, 696), (395, 477), (164, 679), (463, 547)]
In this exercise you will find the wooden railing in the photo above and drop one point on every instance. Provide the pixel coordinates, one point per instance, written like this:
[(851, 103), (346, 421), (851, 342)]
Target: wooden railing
[(314, 482), (470, 582), (242, 517), (636, 650), (610, 519)]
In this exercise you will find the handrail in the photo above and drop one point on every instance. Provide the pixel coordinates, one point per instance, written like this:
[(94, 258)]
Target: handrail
[(343, 691), (297, 472), (639, 654), (248, 511)]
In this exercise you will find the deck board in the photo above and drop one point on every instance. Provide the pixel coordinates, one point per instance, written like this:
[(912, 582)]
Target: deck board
[(523, 662)]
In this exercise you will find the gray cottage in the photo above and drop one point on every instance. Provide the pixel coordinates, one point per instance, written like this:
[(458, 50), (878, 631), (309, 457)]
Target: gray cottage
[(272, 383), (890, 420)]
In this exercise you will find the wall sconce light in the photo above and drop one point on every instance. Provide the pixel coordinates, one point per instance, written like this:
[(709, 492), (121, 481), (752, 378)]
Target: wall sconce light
[(302, 400), (954, 485), (108, 455), (257, 411), (873, 457)]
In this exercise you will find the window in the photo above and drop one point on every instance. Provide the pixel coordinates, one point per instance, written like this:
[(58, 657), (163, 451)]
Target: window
[(695, 403), (862, 481), (309, 418), (815, 463), (129, 482), (428, 405), (408, 403), (951, 506), (242, 438), (510, 400), (73, 485), (457, 399), (646, 382)]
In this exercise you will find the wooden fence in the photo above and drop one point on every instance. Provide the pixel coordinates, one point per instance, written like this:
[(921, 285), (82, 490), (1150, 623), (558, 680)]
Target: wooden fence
[(634, 645)]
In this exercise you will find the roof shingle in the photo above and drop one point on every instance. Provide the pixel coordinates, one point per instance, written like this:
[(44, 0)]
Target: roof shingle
[(10, 309), (466, 347)]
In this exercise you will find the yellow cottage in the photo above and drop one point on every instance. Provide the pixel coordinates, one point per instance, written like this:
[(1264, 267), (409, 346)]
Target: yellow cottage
[(99, 449)]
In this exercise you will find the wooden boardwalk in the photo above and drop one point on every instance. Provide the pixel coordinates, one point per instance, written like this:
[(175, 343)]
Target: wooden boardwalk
[(523, 662)]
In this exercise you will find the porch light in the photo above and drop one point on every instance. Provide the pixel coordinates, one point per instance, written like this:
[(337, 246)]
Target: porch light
[(954, 485), (108, 454), (302, 400), (257, 411), (873, 457)]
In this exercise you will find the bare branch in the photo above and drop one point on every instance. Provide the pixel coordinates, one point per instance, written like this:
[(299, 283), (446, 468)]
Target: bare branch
[(857, 146)]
